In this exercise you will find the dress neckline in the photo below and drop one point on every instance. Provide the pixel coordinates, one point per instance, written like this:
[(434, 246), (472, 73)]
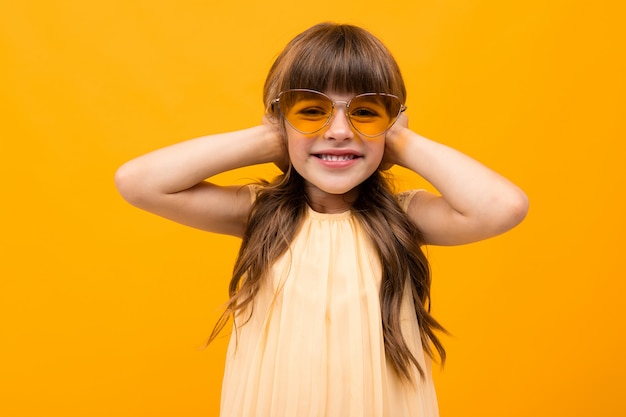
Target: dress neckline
[(328, 216)]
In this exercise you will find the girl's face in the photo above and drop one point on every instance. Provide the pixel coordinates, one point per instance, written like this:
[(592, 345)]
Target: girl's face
[(334, 160)]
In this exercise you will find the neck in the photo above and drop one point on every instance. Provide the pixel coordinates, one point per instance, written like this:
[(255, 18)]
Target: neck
[(330, 203)]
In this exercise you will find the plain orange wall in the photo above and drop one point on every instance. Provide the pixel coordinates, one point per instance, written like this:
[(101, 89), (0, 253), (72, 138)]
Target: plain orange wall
[(104, 309)]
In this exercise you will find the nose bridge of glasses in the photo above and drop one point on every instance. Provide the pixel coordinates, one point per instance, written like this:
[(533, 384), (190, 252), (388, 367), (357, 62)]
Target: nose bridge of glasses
[(346, 114), (346, 103), (346, 109)]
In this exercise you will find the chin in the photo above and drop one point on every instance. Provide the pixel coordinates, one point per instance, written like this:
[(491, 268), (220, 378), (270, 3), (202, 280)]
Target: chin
[(337, 190)]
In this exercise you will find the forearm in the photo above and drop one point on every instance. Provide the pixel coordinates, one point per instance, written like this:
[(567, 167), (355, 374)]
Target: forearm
[(183, 165), (481, 196)]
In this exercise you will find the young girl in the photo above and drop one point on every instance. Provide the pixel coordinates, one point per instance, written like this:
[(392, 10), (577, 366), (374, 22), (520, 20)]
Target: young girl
[(330, 292)]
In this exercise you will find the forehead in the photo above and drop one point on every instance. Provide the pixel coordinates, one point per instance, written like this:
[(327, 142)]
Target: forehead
[(336, 96)]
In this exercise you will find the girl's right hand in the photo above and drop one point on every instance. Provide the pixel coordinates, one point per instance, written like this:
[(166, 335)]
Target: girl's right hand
[(281, 159)]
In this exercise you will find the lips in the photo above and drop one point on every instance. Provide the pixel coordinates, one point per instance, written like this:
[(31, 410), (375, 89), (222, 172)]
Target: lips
[(336, 158)]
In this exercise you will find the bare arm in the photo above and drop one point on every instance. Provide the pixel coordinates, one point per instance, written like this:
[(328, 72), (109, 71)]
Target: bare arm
[(170, 182), (475, 203)]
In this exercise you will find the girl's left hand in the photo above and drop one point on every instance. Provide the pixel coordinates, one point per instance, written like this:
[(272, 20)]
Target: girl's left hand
[(393, 142)]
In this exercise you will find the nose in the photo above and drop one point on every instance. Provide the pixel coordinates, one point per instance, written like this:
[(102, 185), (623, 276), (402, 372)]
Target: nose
[(339, 127)]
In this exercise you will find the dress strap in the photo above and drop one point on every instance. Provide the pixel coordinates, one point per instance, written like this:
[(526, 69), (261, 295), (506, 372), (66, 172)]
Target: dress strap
[(254, 190), (404, 198)]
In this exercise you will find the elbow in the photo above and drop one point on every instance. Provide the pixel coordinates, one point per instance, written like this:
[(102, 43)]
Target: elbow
[(519, 207), (514, 210), (128, 184)]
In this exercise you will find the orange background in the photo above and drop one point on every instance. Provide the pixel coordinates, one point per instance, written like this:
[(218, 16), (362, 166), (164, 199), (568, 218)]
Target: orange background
[(104, 308)]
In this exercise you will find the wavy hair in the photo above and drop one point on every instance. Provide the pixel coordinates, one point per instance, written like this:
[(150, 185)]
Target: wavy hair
[(343, 59)]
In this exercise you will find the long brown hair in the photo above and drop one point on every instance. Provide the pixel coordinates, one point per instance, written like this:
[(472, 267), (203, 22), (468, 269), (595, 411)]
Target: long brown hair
[(343, 59)]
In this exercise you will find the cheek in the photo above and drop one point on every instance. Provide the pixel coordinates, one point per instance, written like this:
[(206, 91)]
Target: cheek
[(377, 149), (296, 142), (290, 144), (297, 148)]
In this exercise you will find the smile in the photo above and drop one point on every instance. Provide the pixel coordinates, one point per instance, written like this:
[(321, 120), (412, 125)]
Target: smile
[(336, 158)]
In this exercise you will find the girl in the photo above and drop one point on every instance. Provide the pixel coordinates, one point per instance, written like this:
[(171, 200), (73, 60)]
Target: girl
[(330, 291)]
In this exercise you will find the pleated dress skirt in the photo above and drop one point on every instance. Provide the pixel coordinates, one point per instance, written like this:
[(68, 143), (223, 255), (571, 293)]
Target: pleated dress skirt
[(312, 345)]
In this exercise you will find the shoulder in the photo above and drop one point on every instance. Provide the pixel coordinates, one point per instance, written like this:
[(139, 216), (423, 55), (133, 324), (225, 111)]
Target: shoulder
[(404, 198)]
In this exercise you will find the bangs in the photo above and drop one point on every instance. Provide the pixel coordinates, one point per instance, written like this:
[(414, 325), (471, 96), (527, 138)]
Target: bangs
[(344, 62)]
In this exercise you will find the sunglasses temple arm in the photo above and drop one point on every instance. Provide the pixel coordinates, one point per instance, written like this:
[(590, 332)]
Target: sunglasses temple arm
[(270, 107)]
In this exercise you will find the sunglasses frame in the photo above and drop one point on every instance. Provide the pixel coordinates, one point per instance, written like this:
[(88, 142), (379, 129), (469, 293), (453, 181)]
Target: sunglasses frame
[(332, 111)]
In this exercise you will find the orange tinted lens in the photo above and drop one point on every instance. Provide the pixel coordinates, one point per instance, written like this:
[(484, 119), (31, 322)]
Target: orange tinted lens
[(306, 111), (372, 114)]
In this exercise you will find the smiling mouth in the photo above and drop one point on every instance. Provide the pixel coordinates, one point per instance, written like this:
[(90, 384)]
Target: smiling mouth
[(336, 158)]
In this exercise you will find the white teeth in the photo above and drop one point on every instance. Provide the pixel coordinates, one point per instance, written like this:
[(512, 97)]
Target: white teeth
[(336, 157)]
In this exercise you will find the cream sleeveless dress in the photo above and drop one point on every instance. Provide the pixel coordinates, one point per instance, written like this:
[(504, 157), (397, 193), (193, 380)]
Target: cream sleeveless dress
[(313, 346)]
